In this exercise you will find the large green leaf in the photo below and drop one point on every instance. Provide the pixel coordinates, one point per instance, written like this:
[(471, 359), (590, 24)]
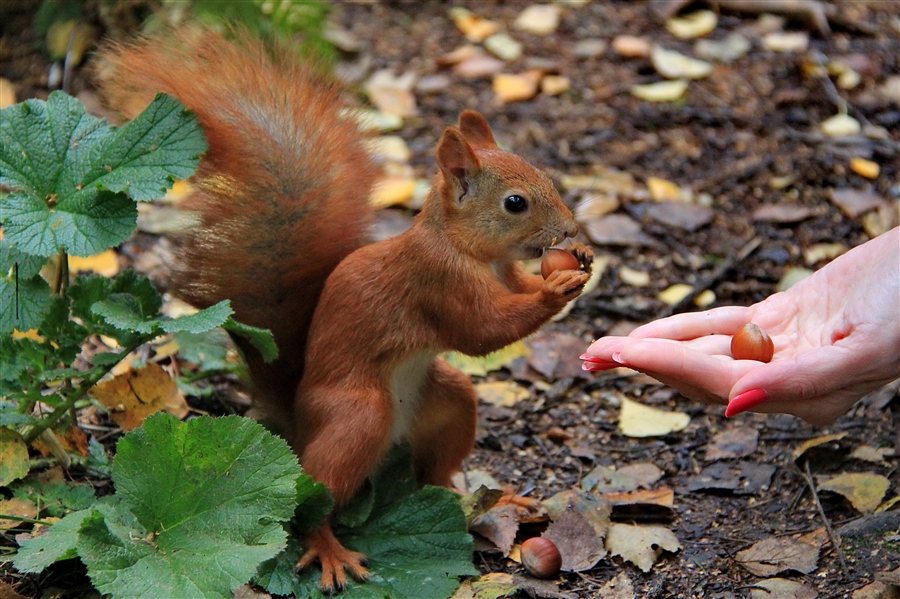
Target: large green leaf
[(70, 172)]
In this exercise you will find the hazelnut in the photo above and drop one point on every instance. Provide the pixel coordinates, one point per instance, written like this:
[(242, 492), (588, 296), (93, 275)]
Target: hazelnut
[(541, 558), (558, 260), (752, 343)]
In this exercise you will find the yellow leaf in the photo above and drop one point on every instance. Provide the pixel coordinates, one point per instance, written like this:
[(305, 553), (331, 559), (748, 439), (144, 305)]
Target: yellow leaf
[(16, 507), (392, 191), (135, 395), (13, 456), (864, 490), (501, 393), (663, 91), (865, 168), (480, 366), (641, 545), (809, 444), (662, 190), (692, 25), (675, 293), (638, 420), (106, 264)]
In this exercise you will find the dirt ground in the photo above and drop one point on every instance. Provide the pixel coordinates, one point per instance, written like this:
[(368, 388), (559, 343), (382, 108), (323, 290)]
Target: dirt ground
[(744, 137)]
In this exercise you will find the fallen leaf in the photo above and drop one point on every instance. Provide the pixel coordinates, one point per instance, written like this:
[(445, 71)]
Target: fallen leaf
[(662, 91), (778, 554), (727, 50), (501, 393), (853, 202), (674, 293), (865, 168), (780, 41), (734, 442), (555, 354), (864, 490), (619, 587), (880, 221), (474, 479), (616, 229), (540, 19), (635, 278), (133, 396), (840, 125), (603, 479), (481, 365), (7, 592), (640, 545), (782, 588), (554, 85), (479, 66), (638, 420), (783, 212), (515, 88), (741, 478), (7, 93), (877, 590), (14, 506), (579, 524), (392, 94), (500, 524), (816, 442), (695, 24), (792, 276), (674, 65), (503, 46), (630, 46), (13, 456), (868, 453), (475, 28), (392, 191), (106, 264), (644, 505), (663, 190), (680, 215), (595, 205), (823, 251)]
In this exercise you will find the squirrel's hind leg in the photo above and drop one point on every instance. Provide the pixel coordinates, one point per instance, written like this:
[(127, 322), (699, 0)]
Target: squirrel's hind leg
[(444, 430)]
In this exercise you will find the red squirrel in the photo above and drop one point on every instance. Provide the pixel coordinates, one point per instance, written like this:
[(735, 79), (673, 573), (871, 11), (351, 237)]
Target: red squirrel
[(281, 211)]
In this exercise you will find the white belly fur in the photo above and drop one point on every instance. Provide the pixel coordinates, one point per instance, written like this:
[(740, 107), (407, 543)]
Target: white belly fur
[(406, 384)]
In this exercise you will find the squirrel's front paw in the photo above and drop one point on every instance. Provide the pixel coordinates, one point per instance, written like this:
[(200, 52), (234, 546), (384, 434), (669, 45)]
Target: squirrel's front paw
[(565, 284), (585, 256)]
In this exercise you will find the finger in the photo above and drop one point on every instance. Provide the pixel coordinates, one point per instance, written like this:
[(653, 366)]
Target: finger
[(719, 321), (604, 348), (683, 367)]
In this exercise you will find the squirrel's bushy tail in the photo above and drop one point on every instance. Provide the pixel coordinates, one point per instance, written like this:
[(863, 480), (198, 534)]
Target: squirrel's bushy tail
[(281, 196)]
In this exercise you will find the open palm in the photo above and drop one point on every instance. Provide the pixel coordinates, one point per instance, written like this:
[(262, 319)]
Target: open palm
[(836, 335)]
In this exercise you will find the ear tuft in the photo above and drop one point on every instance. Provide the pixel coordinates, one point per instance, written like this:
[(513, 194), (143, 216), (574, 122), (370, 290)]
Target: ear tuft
[(476, 130)]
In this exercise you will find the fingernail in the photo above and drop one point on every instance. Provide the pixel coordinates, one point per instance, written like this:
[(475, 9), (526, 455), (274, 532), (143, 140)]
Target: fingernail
[(596, 360), (617, 357), (597, 367), (745, 401)]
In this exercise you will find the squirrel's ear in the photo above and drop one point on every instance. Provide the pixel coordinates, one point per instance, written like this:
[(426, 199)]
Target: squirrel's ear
[(456, 160), (476, 130)]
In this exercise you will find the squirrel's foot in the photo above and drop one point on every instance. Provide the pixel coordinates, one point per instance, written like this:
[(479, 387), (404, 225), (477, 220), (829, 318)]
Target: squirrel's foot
[(335, 559)]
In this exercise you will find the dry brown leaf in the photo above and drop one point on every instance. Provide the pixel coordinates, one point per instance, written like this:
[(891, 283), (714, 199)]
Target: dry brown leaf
[(7, 592), (515, 88), (734, 442), (774, 555), (555, 355), (16, 507), (603, 479), (783, 212), (7, 93), (782, 588), (580, 522), (630, 46), (853, 202), (640, 545), (136, 394), (475, 28), (540, 19), (500, 524)]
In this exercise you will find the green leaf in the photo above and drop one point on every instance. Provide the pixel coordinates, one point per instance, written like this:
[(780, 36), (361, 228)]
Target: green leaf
[(261, 339), (145, 157), (70, 171), (57, 498), (25, 302), (59, 543), (208, 350), (207, 498), (314, 503), (200, 322), (116, 307), (10, 255), (415, 540)]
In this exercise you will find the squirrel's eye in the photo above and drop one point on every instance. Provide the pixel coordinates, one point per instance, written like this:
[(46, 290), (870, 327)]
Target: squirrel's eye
[(515, 204)]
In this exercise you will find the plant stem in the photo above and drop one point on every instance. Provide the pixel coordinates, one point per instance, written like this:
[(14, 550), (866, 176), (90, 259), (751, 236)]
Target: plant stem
[(41, 425)]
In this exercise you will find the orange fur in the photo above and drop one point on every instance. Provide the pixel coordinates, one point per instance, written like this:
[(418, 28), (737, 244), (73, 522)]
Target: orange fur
[(282, 200)]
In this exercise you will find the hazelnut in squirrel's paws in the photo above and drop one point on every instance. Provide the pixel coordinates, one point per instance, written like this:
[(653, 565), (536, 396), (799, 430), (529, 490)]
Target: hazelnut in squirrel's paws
[(322, 546)]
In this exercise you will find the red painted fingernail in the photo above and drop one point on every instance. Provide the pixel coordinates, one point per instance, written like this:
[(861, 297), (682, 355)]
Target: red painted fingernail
[(598, 366), (745, 401), (596, 360), (617, 358)]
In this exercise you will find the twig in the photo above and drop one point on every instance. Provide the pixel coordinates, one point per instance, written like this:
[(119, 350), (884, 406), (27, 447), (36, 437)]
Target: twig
[(717, 274), (835, 538)]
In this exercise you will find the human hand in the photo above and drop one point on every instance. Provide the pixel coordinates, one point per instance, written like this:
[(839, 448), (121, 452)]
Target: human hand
[(836, 335)]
